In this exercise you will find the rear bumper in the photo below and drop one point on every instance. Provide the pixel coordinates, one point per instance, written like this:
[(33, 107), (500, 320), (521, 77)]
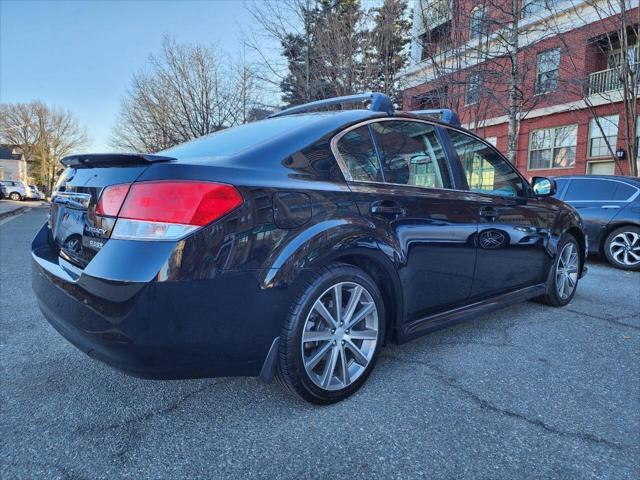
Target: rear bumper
[(223, 326)]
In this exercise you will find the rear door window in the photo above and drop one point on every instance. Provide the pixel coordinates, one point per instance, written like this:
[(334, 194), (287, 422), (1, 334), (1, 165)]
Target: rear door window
[(411, 154), (590, 190)]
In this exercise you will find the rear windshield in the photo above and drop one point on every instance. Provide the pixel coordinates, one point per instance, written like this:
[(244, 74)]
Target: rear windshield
[(233, 140)]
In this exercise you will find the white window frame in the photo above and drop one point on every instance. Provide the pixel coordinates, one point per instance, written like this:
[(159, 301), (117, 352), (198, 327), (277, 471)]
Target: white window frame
[(477, 25), (596, 134), (539, 73), (552, 147), (479, 80)]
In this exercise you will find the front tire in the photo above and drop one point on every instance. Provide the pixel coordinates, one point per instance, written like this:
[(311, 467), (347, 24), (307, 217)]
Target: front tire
[(332, 336), (622, 248), (564, 274)]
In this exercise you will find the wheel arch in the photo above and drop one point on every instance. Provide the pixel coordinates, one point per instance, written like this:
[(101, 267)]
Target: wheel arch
[(387, 282), (578, 234), (610, 228), (352, 244)]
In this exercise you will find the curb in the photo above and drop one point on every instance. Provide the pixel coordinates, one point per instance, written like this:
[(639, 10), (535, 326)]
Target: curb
[(14, 212)]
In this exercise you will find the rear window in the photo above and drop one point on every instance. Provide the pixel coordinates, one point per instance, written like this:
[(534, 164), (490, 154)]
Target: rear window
[(233, 140)]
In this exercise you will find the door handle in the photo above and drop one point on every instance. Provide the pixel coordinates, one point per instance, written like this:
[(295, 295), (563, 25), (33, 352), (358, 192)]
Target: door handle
[(490, 213), (610, 207), (385, 208)]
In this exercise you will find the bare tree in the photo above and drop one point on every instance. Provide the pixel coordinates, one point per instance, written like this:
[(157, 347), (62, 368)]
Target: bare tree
[(44, 135), (489, 43), (616, 42), (186, 92)]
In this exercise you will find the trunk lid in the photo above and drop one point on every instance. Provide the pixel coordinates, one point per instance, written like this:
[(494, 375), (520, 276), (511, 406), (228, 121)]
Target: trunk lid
[(76, 229)]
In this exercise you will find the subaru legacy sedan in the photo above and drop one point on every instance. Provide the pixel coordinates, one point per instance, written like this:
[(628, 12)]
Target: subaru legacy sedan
[(297, 246)]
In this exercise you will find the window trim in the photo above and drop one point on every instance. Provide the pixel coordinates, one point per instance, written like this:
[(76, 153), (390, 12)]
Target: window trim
[(451, 157), (527, 190), (590, 137), (537, 81), (349, 179), (480, 80), (473, 34), (347, 174), (529, 169)]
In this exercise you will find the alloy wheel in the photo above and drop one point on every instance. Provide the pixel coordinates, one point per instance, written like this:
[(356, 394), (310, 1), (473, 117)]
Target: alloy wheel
[(567, 271), (340, 335), (625, 248)]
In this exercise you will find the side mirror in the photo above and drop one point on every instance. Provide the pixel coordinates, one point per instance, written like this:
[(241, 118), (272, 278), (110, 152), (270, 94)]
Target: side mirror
[(544, 187)]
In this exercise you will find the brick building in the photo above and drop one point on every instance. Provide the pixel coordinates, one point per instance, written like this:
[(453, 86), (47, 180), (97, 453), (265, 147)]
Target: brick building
[(568, 58)]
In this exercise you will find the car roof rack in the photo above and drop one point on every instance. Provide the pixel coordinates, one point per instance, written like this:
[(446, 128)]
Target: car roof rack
[(446, 115), (379, 102)]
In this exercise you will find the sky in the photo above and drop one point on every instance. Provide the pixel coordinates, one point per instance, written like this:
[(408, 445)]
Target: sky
[(81, 55)]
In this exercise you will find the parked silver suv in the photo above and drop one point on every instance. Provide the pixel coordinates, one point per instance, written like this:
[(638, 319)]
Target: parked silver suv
[(15, 189)]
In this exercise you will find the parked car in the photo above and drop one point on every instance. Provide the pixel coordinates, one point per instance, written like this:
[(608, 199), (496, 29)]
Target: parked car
[(297, 246), (15, 189), (34, 193), (610, 209)]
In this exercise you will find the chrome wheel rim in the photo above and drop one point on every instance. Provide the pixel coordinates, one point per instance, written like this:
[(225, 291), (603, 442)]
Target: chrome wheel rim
[(567, 271), (625, 248), (340, 336)]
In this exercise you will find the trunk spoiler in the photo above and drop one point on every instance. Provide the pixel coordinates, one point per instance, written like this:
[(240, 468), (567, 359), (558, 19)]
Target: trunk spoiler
[(112, 160)]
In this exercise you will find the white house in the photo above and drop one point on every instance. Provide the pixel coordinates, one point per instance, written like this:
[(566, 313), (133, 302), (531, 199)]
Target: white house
[(13, 165)]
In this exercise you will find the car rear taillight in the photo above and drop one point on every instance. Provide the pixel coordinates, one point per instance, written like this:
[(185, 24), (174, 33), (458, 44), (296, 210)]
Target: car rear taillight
[(166, 210), (111, 200)]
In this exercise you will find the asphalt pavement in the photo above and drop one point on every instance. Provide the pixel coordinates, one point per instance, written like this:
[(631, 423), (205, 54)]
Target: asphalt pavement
[(529, 392)]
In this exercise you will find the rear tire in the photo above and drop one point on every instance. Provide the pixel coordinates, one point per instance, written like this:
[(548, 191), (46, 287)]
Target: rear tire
[(622, 248), (327, 353), (15, 196), (564, 274)]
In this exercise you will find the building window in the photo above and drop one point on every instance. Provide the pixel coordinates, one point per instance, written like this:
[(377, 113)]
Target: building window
[(631, 54), (473, 89), (534, 7), (436, 41), (553, 147), (597, 141), (478, 25), (433, 99), (547, 71)]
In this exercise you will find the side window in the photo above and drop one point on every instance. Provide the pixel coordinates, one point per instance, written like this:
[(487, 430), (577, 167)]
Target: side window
[(624, 192), (560, 183), (485, 169), (411, 154), (359, 155), (590, 190)]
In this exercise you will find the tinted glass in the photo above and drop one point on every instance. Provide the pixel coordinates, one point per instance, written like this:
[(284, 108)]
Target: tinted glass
[(411, 154), (560, 182), (486, 170), (232, 140), (624, 192), (594, 190), (359, 155)]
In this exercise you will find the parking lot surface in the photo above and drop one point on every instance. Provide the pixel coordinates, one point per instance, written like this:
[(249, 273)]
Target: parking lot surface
[(527, 392)]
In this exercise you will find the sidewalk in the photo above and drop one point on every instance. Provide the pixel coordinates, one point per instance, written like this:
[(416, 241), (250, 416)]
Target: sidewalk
[(9, 208)]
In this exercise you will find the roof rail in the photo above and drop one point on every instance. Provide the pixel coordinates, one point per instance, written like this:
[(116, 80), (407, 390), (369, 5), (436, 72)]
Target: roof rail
[(446, 115), (379, 102)]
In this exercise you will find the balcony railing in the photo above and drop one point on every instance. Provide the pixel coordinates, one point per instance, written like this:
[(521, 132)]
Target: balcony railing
[(606, 81)]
